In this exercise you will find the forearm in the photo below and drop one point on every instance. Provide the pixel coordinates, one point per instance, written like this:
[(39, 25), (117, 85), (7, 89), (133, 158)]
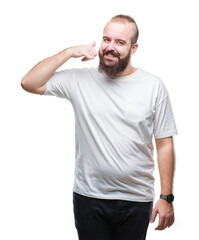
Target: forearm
[(166, 164), (41, 73)]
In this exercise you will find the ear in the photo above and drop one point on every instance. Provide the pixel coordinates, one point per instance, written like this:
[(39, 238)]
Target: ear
[(134, 48)]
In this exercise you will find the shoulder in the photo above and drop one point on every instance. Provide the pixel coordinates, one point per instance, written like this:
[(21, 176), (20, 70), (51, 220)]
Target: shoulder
[(155, 85), (150, 76), (153, 80)]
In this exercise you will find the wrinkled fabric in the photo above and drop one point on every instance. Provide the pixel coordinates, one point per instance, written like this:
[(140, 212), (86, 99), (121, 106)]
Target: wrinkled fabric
[(115, 122)]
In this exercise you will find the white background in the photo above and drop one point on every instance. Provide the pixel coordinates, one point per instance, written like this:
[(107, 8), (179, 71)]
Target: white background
[(37, 147)]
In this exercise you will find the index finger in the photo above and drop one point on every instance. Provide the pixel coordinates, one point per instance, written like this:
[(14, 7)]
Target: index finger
[(160, 224)]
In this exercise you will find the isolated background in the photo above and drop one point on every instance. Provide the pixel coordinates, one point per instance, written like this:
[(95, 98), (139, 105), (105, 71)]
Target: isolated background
[(37, 147)]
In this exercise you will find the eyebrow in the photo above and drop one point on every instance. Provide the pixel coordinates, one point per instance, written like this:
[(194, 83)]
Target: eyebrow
[(116, 39)]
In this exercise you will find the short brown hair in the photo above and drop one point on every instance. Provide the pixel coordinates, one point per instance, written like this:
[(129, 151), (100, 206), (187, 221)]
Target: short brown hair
[(127, 18)]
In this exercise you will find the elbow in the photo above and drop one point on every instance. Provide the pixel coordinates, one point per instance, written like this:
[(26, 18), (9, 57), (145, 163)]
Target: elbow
[(29, 87), (24, 84)]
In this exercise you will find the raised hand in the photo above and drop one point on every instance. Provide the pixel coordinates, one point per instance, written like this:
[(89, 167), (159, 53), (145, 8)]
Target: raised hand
[(88, 52)]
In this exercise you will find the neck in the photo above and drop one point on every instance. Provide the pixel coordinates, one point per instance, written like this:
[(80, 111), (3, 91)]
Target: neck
[(129, 70)]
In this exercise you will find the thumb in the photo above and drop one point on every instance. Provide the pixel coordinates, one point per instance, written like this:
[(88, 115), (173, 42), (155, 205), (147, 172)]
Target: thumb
[(154, 215), (93, 44)]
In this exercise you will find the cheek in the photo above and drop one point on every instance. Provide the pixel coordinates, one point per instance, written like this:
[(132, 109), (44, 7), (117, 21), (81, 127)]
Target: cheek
[(120, 50), (102, 47), (123, 53)]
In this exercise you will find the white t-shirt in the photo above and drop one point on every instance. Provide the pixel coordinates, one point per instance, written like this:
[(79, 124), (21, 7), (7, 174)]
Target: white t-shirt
[(115, 120)]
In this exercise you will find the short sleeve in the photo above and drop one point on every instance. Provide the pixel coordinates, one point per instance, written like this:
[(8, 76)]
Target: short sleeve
[(60, 84), (164, 122)]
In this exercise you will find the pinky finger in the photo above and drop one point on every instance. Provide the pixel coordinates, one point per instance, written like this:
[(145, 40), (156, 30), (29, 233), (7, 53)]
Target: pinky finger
[(171, 222)]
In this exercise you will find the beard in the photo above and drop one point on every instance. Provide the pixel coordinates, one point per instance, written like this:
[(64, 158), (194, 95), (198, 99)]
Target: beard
[(113, 70)]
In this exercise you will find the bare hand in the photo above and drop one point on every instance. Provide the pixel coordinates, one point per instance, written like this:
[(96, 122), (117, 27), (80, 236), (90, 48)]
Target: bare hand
[(88, 52), (166, 214)]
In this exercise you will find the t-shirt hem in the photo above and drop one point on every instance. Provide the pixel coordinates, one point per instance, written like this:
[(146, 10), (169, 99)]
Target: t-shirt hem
[(166, 134), (98, 196)]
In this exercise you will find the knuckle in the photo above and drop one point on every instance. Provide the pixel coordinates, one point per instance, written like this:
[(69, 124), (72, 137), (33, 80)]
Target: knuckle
[(163, 217)]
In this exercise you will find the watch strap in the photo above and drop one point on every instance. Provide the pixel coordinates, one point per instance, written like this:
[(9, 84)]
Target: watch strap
[(163, 196), (169, 198)]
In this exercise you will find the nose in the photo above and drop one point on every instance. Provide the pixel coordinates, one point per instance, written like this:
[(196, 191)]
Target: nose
[(111, 46)]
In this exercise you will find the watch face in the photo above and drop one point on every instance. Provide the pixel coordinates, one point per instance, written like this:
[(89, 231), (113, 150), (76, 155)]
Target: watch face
[(170, 198)]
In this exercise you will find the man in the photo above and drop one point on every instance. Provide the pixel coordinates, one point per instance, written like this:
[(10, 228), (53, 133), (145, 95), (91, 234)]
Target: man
[(118, 108)]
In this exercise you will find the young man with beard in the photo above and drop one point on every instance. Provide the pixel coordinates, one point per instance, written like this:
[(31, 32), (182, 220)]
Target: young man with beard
[(118, 109)]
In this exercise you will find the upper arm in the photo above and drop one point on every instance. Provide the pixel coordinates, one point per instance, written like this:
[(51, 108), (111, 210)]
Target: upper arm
[(61, 83), (41, 90), (27, 87), (164, 142)]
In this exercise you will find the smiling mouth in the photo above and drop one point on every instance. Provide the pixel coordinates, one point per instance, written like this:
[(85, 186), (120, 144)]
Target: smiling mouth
[(111, 54)]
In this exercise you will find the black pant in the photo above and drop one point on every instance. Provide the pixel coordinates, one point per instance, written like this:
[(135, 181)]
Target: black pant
[(102, 219)]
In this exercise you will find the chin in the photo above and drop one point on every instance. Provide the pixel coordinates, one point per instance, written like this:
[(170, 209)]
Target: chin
[(109, 63)]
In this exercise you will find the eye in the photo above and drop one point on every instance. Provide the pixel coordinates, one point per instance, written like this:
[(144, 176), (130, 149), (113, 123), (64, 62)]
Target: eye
[(120, 43), (106, 40)]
